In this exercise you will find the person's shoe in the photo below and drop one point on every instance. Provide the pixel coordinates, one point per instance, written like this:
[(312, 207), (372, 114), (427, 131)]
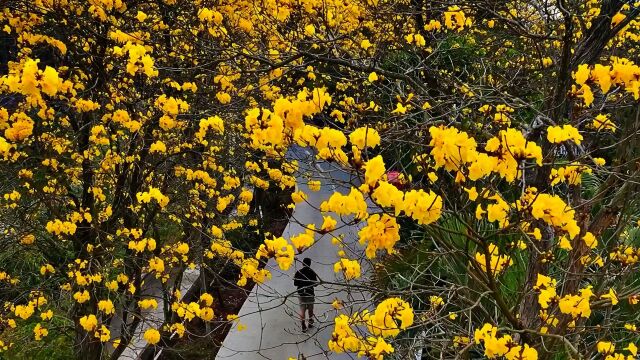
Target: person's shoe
[(310, 325), (304, 328)]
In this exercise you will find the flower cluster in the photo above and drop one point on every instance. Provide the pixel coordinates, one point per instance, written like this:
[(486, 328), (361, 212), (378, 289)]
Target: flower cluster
[(349, 268), (153, 194), (25, 78), (560, 134), (304, 240), (279, 249), (389, 318), (59, 227), (622, 72), (504, 345), (496, 262), (381, 232), (570, 174), (456, 151), (250, 269), (350, 204)]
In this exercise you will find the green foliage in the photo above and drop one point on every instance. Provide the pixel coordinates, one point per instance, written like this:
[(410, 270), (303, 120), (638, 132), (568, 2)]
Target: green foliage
[(58, 344)]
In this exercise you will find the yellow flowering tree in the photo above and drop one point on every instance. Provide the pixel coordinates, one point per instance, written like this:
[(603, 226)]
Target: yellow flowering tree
[(496, 141), (125, 168)]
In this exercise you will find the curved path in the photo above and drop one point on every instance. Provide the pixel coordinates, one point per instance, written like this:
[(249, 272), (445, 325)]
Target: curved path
[(270, 312), (153, 318)]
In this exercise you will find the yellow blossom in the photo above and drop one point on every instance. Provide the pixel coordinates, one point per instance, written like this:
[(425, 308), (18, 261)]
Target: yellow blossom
[(88, 322), (152, 336)]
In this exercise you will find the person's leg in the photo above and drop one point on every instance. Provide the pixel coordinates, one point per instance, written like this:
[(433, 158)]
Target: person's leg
[(310, 307), (302, 314)]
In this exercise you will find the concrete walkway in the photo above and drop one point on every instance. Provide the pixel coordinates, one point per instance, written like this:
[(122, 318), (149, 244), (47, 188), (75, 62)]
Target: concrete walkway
[(270, 313), (153, 318)]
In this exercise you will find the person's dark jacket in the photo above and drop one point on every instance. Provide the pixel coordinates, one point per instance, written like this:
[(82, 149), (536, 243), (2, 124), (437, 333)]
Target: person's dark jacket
[(305, 279)]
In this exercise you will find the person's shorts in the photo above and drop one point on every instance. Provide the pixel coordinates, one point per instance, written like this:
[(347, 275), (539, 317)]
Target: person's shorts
[(306, 302)]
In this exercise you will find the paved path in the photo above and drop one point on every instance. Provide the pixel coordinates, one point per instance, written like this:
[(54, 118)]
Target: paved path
[(270, 312), (152, 289)]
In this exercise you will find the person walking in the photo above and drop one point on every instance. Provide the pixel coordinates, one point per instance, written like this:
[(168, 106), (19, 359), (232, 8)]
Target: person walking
[(305, 280)]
